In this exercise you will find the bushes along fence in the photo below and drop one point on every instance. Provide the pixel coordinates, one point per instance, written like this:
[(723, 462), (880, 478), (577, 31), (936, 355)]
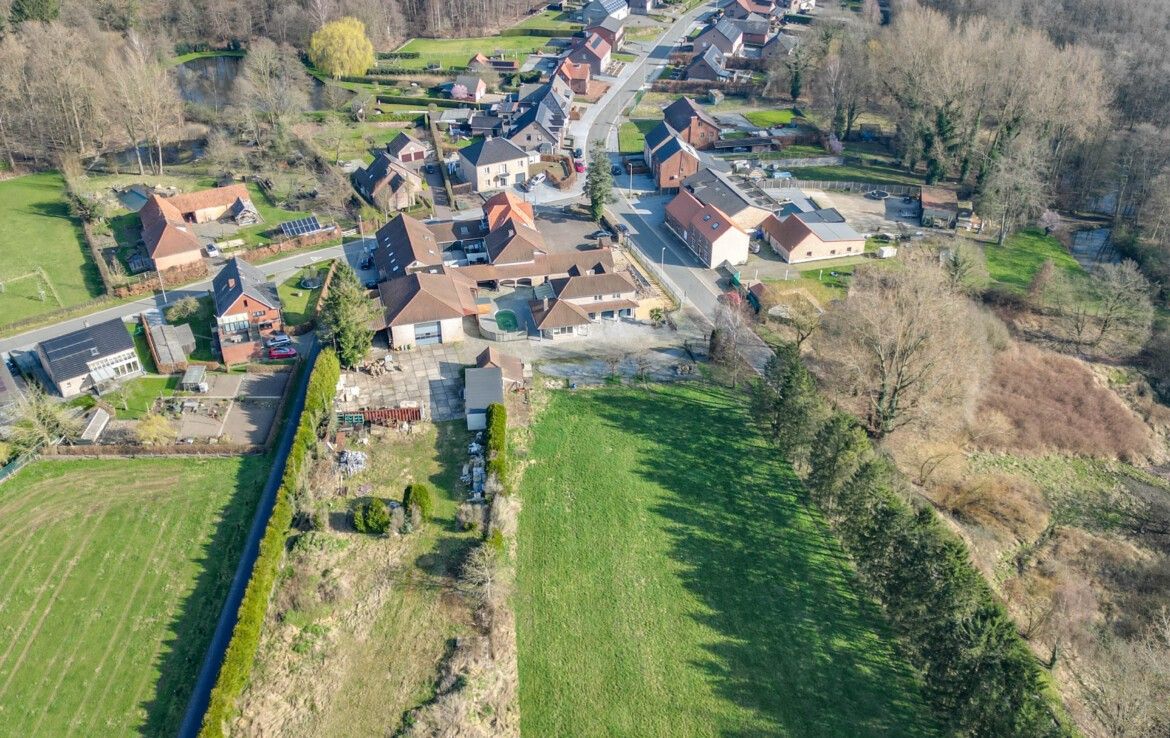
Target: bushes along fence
[(241, 651), (497, 441)]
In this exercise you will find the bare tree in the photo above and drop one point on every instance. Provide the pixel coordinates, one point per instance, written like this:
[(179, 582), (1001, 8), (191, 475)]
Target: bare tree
[(903, 348), (732, 324), (272, 87), (1017, 186)]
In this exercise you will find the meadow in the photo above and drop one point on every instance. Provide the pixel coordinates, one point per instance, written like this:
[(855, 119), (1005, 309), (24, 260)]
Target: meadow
[(671, 583), (114, 576)]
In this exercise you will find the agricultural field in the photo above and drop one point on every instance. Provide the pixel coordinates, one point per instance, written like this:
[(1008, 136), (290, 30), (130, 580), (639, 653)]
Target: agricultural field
[(42, 248), (671, 584), (456, 52), (114, 575)]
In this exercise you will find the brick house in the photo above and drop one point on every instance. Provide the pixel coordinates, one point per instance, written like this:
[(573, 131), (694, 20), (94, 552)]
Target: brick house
[(247, 311), (672, 163), (707, 231), (594, 51), (693, 124)]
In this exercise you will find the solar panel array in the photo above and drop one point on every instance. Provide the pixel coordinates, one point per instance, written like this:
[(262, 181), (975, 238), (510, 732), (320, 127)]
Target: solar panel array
[(301, 226)]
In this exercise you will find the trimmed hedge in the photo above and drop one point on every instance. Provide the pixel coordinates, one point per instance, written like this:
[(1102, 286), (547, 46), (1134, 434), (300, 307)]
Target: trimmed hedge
[(398, 54), (438, 102), (497, 441), (539, 32), (241, 651)]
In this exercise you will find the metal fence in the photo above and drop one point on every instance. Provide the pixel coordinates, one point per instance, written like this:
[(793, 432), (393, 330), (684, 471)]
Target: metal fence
[(17, 464), (810, 184)]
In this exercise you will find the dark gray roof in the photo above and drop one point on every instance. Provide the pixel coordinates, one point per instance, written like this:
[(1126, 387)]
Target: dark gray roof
[(609, 6), (754, 23), (492, 151), (659, 134), (828, 225), (482, 387), (679, 113), (238, 278), (713, 188), (670, 148), (400, 142), (712, 58), (728, 29), (68, 355), (610, 23)]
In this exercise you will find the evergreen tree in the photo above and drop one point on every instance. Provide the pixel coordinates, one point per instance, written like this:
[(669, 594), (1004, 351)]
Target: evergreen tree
[(838, 451), (598, 180), (346, 317), (34, 10), (419, 495), (377, 517), (785, 402)]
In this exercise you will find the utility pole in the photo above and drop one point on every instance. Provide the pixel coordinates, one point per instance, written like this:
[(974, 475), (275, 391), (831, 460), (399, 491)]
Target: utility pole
[(162, 287)]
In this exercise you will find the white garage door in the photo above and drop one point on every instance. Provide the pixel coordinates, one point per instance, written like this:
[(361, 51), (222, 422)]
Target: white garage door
[(426, 334)]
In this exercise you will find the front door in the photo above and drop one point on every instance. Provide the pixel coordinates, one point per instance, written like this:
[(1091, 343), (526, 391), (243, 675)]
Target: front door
[(426, 334)]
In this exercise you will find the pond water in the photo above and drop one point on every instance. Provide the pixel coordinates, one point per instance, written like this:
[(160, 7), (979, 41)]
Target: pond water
[(1092, 246), (209, 81)]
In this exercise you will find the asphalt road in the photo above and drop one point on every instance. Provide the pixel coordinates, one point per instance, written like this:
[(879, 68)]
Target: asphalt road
[(280, 269)]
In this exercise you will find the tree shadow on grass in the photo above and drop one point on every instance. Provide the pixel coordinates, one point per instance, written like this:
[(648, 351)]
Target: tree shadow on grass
[(195, 622), (799, 649), (90, 275)]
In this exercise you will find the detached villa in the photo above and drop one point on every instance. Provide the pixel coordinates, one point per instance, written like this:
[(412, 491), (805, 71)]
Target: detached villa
[(247, 310), (91, 358), (494, 164), (166, 222)]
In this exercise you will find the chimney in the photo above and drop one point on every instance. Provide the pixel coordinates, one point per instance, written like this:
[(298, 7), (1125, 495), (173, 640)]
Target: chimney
[(546, 304), (231, 283)]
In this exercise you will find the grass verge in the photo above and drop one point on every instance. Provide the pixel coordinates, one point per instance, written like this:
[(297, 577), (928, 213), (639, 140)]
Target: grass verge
[(1021, 256), (632, 135)]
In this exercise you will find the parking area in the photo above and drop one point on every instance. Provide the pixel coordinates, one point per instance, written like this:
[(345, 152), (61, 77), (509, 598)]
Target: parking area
[(565, 229), (867, 215)]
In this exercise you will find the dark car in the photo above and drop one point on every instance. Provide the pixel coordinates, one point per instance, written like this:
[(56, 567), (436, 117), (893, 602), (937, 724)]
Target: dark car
[(366, 263), (623, 229), (282, 352), (371, 284), (615, 170), (578, 153), (599, 233)]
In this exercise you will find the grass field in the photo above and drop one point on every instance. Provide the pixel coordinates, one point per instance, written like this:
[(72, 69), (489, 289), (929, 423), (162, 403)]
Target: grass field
[(114, 575), (203, 327), (670, 583), (297, 302), (37, 235), (770, 118), (136, 397), (1022, 255), (456, 52), (632, 135), (549, 20), (872, 174)]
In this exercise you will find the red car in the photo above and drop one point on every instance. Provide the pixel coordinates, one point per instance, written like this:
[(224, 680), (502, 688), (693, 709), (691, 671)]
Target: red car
[(282, 352), (579, 166)]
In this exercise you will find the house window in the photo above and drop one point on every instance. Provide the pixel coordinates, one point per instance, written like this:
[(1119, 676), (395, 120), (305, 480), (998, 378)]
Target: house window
[(832, 251), (848, 249), (616, 296), (808, 253), (597, 298), (258, 313)]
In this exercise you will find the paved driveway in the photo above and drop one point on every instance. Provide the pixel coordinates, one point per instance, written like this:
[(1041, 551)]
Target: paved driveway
[(429, 375)]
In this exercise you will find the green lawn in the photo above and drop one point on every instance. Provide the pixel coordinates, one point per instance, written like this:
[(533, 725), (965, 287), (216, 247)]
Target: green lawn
[(297, 302), (114, 575), (550, 20), (457, 52), (136, 397), (271, 215), (39, 240), (624, 57), (671, 584), (770, 118), (875, 175), (632, 135), (1022, 255)]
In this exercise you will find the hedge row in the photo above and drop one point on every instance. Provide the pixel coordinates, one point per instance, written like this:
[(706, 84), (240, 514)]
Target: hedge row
[(538, 32), (398, 54), (980, 675), (497, 441), (438, 102), (241, 651)]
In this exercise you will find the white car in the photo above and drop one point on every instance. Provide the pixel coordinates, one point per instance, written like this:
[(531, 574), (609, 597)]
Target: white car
[(536, 179), (212, 251)]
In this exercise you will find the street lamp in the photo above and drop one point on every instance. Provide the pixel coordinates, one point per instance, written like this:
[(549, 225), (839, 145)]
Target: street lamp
[(662, 258)]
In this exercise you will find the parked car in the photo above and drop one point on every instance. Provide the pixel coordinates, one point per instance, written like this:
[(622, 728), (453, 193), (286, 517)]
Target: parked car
[(623, 229), (578, 153), (282, 352), (599, 233), (536, 179), (877, 194), (212, 251), (278, 339), (371, 284), (615, 170), (366, 263), (579, 166)]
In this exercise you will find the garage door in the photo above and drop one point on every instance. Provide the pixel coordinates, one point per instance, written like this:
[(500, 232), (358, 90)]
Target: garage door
[(427, 333)]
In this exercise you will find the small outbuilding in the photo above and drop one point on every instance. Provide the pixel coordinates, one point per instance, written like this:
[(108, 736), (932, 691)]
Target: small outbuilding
[(194, 379), (940, 207), (481, 387)]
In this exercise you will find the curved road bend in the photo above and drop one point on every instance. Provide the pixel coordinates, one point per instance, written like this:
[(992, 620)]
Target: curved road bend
[(213, 659)]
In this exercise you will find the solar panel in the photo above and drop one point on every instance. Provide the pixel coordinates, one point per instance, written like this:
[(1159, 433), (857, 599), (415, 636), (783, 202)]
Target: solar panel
[(301, 226)]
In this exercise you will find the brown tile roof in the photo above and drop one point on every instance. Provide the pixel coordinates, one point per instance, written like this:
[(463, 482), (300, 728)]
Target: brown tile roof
[(163, 229), (570, 70), (560, 314), (595, 45), (514, 242), (683, 207), (450, 231), (604, 305), (402, 242), (512, 368), (215, 197), (707, 221), (505, 204), (588, 285), (423, 297), (544, 265)]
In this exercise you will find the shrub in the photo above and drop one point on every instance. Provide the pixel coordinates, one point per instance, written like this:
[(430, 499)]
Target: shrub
[(377, 517), (1052, 402), (419, 495), (497, 441)]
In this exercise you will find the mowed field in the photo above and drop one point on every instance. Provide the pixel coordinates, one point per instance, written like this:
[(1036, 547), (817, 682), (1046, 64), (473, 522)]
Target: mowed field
[(112, 576), (671, 584), (39, 240)]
